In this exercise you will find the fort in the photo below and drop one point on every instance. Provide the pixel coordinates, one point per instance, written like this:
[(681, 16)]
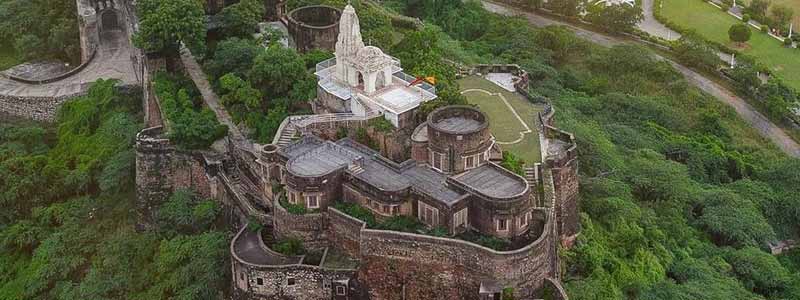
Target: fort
[(441, 170)]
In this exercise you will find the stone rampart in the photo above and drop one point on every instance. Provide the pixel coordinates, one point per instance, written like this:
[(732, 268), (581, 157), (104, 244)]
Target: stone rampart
[(314, 27), (310, 227), (161, 169), (344, 232), (42, 109)]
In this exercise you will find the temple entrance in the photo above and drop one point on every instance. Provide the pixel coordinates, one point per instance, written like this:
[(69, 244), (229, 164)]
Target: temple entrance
[(109, 20)]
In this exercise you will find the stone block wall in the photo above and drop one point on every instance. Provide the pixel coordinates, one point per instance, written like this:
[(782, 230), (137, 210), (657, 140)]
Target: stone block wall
[(34, 108), (297, 282), (161, 169), (344, 232), (310, 228), (314, 27)]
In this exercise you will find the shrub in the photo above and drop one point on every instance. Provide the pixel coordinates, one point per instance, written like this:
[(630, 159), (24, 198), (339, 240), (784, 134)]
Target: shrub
[(402, 224), (381, 125), (725, 7), (745, 18), (764, 28), (295, 209), (357, 211), (290, 246), (787, 42)]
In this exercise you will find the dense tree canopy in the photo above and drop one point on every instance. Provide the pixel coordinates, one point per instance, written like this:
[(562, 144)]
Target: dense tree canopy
[(164, 25), (50, 29)]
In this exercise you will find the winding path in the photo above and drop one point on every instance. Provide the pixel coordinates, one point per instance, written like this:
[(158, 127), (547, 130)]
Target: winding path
[(763, 125), (650, 25), (113, 60)]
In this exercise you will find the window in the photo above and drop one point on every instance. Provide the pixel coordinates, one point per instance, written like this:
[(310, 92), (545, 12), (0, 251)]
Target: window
[(460, 218), (385, 209), (260, 281), (523, 220), (292, 198), (428, 214), (290, 281), (326, 284), (312, 201), (396, 210), (437, 159), (241, 276), (502, 225), (341, 290), (469, 162)]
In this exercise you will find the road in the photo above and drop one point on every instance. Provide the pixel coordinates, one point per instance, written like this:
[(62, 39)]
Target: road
[(650, 25), (747, 112)]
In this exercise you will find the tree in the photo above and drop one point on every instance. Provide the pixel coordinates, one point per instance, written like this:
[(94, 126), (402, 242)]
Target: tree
[(739, 33), (278, 70), (758, 9), (782, 15), (164, 25), (233, 55), (241, 19), (692, 50), (513, 163), (239, 95), (616, 18), (759, 271), (568, 8)]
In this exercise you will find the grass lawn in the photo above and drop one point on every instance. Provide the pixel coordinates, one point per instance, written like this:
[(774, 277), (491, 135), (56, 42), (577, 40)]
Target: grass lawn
[(713, 24), (7, 57), (502, 122)]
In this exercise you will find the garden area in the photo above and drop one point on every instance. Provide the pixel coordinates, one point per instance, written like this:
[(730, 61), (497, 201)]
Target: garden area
[(521, 139), (713, 24)]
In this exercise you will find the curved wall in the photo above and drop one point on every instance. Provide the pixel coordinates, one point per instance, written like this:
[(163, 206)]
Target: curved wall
[(314, 27)]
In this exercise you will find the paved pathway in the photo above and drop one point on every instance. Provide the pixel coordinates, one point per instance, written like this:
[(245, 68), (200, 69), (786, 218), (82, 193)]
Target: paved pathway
[(766, 128), (113, 60), (210, 98), (650, 25)]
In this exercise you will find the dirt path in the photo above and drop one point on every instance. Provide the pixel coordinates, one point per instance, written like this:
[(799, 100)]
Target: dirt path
[(763, 125)]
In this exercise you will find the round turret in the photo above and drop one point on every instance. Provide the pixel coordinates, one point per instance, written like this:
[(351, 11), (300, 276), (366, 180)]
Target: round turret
[(458, 138)]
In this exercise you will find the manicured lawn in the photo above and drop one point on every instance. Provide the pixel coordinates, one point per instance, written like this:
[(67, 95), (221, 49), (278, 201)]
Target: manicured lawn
[(713, 24), (502, 122), (7, 58)]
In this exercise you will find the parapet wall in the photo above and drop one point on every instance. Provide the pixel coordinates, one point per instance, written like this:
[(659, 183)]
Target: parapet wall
[(42, 109), (162, 169), (314, 27), (310, 228)]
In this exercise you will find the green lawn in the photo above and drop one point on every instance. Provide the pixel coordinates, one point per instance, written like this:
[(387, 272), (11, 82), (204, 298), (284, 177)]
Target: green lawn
[(713, 24), (7, 58), (502, 122)]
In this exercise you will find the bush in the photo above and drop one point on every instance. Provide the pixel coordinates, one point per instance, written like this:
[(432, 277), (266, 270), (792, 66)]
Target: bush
[(402, 224), (290, 246), (295, 209), (764, 28), (787, 42), (357, 211), (745, 18)]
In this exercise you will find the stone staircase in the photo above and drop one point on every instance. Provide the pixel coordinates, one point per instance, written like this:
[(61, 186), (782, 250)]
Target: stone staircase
[(355, 169), (531, 176), (286, 135)]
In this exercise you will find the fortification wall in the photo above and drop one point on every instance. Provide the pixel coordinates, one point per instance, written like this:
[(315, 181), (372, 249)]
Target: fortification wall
[(161, 169), (314, 27), (42, 109), (310, 228), (344, 232)]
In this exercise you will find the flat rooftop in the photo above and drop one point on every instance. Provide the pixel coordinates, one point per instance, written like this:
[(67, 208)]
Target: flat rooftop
[(311, 156), (493, 181), (459, 124)]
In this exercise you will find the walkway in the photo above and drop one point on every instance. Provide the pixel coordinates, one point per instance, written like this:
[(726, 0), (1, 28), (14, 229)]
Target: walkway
[(650, 25), (210, 98), (113, 60), (764, 127)]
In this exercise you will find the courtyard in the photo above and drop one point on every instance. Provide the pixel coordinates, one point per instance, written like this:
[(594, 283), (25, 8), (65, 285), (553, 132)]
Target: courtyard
[(713, 24), (512, 118)]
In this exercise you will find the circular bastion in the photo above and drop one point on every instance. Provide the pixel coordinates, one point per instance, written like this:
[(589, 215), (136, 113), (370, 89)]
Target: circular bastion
[(458, 131), (314, 27)]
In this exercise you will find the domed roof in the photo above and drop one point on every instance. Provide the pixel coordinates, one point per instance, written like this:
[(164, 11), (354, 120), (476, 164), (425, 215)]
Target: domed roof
[(371, 58), (369, 53)]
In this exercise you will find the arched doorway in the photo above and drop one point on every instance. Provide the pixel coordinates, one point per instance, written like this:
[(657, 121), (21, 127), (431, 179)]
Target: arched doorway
[(109, 20)]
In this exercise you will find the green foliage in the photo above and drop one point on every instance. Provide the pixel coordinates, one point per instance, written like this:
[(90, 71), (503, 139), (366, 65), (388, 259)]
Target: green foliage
[(164, 25), (357, 211), (513, 163), (50, 29), (739, 33), (381, 125), (239, 96), (508, 294), (401, 223), (241, 19), (616, 18), (289, 246), (296, 209), (190, 125), (279, 71), (232, 56), (570, 8), (758, 271), (75, 239), (694, 51)]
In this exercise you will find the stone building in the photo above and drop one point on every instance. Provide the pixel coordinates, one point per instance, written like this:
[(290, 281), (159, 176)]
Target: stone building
[(363, 80), (451, 184)]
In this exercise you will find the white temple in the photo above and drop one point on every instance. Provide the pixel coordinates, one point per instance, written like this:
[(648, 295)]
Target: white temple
[(363, 80)]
